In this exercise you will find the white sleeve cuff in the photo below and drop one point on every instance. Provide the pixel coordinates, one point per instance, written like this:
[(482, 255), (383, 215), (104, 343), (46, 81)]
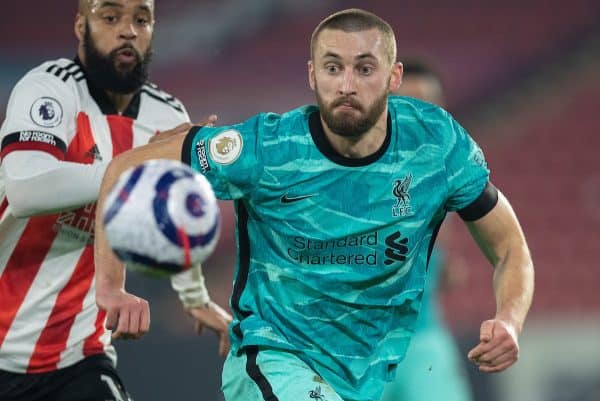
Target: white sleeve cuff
[(190, 287)]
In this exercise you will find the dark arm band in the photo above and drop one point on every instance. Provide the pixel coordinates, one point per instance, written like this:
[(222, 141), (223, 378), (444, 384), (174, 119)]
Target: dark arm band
[(186, 149), (33, 140), (482, 205)]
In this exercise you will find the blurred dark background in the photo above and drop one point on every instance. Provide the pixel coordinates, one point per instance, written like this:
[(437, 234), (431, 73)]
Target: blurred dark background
[(523, 78)]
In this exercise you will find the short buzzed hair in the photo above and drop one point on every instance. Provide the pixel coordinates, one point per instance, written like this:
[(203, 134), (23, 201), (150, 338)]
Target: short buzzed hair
[(356, 20)]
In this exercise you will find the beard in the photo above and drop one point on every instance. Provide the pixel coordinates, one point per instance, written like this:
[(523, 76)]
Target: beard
[(104, 71), (346, 124)]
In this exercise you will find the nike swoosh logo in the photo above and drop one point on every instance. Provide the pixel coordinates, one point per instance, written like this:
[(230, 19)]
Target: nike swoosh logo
[(290, 199)]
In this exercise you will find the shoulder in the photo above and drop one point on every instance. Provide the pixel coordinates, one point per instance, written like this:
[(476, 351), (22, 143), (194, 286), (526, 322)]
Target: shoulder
[(63, 69), (421, 118), (408, 107), (61, 75), (155, 94), (51, 84), (299, 114), (46, 95), (286, 123), (60, 72), (265, 125)]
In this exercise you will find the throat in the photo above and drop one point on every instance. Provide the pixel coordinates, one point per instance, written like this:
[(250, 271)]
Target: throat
[(120, 101)]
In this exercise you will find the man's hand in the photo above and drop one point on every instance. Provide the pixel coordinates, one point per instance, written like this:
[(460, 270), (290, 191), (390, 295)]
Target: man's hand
[(126, 315), (498, 347), (182, 128), (215, 318)]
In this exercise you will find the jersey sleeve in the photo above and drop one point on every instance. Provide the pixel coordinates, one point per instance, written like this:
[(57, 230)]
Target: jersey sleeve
[(466, 169), (28, 173), (40, 116), (227, 156), (185, 117)]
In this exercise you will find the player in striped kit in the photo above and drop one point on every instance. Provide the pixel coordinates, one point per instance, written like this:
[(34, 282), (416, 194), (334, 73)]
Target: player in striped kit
[(66, 119), (338, 206)]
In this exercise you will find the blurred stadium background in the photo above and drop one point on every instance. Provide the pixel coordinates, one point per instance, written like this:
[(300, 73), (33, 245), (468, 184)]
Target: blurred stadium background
[(522, 76)]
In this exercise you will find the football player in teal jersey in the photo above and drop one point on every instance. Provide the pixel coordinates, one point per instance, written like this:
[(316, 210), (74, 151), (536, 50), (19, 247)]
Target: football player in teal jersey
[(337, 208), (432, 368)]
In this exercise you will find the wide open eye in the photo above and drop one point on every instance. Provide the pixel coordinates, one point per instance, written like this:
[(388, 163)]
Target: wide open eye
[(332, 68)]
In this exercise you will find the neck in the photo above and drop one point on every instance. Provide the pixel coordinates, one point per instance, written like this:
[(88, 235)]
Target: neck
[(359, 146), (119, 100)]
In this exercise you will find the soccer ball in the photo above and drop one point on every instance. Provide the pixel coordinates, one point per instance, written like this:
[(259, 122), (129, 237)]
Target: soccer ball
[(161, 218)]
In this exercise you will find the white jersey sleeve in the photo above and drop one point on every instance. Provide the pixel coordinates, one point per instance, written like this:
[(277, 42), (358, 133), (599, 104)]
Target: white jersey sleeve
[(40, 122), (27, 174), (41, 114)]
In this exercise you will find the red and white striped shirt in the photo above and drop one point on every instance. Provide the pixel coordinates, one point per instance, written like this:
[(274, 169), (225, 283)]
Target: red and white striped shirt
[(48, 313)]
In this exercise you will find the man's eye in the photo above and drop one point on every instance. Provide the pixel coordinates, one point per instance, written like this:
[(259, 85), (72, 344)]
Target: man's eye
[(111, 19), (366, 70), (332, 69)]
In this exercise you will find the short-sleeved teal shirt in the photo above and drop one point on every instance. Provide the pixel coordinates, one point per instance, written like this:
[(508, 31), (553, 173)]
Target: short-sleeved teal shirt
[(333, 251)]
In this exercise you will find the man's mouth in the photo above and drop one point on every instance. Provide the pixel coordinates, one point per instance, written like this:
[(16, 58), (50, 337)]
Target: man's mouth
[(126, 55), (346, 104)]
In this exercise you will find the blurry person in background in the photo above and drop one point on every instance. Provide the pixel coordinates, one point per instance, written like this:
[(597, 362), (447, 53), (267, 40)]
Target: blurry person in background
[(65, 120), (421, 81), (432, 369)]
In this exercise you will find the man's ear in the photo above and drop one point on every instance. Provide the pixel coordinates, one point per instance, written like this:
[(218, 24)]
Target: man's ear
[(396, 77), (79, 27), (311, 74)]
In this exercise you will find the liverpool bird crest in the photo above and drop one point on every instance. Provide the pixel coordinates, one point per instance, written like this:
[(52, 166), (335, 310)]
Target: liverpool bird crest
[(401, 188)]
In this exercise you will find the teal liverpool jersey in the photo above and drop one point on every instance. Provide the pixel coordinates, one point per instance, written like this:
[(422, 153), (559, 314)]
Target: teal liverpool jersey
[(333, 251)]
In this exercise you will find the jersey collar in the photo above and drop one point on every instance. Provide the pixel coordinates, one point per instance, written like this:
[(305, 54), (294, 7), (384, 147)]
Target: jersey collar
[(318, 135)]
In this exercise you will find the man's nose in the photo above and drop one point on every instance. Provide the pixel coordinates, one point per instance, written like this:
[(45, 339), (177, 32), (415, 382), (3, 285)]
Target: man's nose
[(348, 83), (127, 29)]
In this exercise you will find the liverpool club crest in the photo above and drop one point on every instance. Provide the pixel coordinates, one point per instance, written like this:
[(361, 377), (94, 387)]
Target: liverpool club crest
[(401, 188)]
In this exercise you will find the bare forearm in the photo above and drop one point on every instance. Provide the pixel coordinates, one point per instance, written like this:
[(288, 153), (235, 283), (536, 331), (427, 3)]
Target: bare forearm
[(500, 237), (513, 286), (110, 275), (110, 272)]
